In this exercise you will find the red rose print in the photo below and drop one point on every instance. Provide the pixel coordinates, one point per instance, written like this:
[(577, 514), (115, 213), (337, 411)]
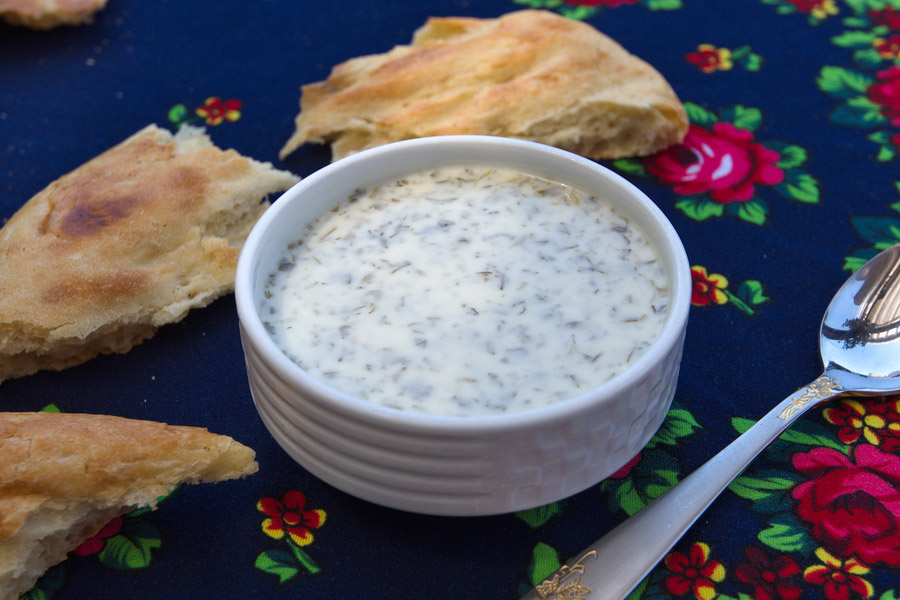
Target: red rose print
[(771, 578), (886, 17), (852, 503), (290, 516), (885, 91), (95, 544), (627, 468), (695, 572), (724, 162)]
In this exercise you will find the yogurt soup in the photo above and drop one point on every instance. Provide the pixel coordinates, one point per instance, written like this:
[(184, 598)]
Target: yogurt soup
[(466, 291)]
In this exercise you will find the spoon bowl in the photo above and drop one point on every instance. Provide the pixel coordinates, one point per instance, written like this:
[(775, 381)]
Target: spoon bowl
[(861, 327), (859, 341)]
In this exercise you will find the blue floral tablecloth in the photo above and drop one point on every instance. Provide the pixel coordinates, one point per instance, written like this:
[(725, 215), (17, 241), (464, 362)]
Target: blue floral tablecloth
[(787, 181)]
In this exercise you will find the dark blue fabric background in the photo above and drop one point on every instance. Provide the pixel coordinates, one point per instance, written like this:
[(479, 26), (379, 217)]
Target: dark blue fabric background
[(66, 95)]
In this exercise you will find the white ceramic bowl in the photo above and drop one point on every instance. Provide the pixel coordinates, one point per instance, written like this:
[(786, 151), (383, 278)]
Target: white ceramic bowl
[(443, 465)]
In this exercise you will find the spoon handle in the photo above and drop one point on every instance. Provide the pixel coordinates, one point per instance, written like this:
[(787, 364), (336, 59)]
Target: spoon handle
[(613, 566)]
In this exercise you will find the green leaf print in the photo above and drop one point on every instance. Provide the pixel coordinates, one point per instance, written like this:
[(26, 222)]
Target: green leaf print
[(630, 166), (654, 474), (277, 563), (663, 481), (304, 559), (868, 58), (791, 155), (854, 39), (743, 117), (753, 211), (767, 490), (178, 114), (751, 292), (741, 424), (663, 4), (132, 547), (855, 22), (761, 485), (842, 83), (626, 497), (858, 111), (858, 259), (859, 6), (799, 186), (882, 232), (880, 137), (679, 423), (886, 153), (700, 208), (536, 517), (544, 561), (887, 147), (802, 433), (699, 115), (745, 57), (785, 535)]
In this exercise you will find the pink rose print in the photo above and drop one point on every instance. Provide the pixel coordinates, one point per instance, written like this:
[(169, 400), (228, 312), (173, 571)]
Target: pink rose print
[(724, 162), (886, 17), (852, 503), (885, 91), (96, 543), (626, 469)]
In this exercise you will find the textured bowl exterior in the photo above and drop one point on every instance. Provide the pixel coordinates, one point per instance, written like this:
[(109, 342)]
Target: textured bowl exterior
[(458, 465), (449, 472)]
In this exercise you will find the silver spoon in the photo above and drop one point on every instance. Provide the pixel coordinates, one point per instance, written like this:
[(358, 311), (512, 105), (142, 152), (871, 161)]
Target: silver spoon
[(859, 340)]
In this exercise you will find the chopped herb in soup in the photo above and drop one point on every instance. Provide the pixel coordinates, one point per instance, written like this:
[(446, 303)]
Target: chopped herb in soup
[(466, 291)]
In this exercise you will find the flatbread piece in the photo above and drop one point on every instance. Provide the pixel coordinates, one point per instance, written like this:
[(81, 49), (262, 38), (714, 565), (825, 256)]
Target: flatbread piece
[(64, 476), (47, 14), (129, 241), (529, 74)]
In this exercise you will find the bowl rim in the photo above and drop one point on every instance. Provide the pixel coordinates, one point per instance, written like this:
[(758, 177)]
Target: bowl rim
[(253, 330)]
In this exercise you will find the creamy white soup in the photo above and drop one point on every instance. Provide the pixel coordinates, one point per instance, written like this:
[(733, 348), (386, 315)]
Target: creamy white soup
[(466, 291)]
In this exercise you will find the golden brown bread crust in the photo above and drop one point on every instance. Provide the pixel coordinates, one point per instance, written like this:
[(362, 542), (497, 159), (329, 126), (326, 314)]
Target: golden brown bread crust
[(64, 476), (129, 241), (529, 74), (47, 14)]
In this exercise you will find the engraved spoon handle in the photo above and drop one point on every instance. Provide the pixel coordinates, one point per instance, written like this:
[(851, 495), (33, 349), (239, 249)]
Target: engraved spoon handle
[(613, 566)]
